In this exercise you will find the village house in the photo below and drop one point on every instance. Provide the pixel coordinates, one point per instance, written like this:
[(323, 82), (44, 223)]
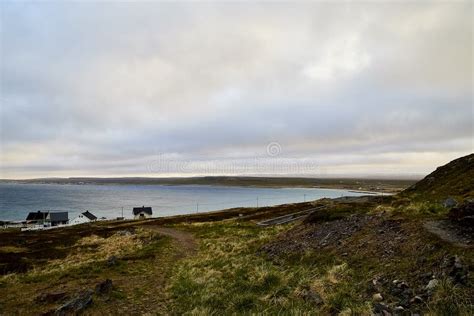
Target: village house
[(142, 212), (85, 217), (36, 218), (58, 218), (47, 218)]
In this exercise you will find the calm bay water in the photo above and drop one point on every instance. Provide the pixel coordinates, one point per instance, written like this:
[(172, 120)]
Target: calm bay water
[(16, 200)]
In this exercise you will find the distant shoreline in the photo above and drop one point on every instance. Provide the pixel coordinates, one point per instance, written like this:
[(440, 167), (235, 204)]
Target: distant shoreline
[(369, 186)]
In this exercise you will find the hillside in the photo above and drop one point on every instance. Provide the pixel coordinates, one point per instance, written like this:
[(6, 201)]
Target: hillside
[(352, 256), (455, 179)]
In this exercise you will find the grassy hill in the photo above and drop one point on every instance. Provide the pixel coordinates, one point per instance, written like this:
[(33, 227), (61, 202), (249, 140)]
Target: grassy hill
[(455, 179)]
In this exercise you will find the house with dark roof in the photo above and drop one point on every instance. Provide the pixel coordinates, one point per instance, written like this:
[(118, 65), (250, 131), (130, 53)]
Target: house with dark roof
[(142, 212), (47, 218), (84, 217), (36, 218), (58, 218)]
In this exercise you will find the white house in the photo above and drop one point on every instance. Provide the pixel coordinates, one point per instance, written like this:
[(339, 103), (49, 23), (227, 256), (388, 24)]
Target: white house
[(82, 218)]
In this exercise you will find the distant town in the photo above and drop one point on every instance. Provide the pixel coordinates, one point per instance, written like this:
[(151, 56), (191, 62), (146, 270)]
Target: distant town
[(49, 219)]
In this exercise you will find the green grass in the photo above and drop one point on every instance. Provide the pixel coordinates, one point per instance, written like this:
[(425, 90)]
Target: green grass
[(449, 300), (228, 276)]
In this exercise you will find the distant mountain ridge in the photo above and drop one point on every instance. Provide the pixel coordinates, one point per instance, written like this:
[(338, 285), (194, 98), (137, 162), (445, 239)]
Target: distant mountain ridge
[(455, 179), (385, 185)]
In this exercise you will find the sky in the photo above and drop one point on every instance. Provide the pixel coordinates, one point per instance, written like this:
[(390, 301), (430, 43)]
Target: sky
[(234, 88)]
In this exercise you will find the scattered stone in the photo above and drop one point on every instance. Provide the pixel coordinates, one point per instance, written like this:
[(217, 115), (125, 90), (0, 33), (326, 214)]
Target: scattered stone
[(311, 296), (377, 297), (76, 305), (457, 263), (104, 287), (314, 298), (463, 214), (125, 232), (399, 309), (416, 300), (49, 298), (432, 285), (405, 302), (455, 270), (111, 261), (382, 309), (450, 202)]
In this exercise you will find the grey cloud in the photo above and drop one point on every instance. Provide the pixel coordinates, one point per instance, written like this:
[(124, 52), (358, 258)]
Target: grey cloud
[(94, 86)]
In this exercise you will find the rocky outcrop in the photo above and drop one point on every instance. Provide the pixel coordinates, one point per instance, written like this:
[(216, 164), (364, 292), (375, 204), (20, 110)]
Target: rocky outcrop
[(463, 213)]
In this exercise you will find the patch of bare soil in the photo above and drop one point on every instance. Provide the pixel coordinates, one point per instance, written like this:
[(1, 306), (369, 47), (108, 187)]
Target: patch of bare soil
[(185, 241)]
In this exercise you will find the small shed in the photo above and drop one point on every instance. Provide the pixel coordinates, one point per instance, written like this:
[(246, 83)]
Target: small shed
[(85, 217), (142, 212)]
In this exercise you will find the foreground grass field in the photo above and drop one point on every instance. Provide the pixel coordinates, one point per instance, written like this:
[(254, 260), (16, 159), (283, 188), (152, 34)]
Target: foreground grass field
[(232, 275)]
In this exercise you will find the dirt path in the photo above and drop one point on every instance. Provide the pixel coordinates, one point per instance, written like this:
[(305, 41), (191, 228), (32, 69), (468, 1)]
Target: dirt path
[(145, 294), (185, 241), (449, 233)]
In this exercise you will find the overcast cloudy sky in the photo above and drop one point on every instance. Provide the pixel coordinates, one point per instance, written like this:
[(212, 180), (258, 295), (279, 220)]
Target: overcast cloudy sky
[(154, 89)]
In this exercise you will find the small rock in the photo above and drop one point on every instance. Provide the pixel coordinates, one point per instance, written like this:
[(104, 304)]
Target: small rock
[(450, 202), (404, 302), (76, 305), (104, 287), (314, 298), (111, 261), (432, 285), (457, 262), (398, 309), (50, 297), (125, 232), (311, 296), (382, 309), (377, 297), (416, 300)]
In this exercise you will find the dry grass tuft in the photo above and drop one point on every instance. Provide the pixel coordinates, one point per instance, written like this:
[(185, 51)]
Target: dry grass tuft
[(12, 249), (93, 249)]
